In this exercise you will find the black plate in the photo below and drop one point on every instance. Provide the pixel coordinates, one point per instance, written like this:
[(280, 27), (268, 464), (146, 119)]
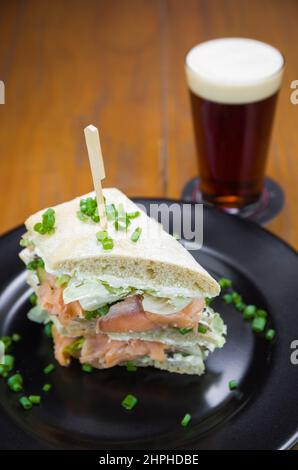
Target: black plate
[(83, 410)]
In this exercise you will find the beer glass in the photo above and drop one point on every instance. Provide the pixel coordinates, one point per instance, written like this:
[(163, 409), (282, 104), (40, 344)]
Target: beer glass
[(233, 85)]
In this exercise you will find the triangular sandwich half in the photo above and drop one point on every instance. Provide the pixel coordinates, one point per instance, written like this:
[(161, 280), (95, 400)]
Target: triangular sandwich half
[(130, 293)]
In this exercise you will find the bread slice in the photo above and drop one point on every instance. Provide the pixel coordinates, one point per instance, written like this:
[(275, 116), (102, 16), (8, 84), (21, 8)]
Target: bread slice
[(155, 260)]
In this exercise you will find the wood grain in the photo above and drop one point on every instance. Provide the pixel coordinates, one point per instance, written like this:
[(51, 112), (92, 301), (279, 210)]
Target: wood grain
[(119, 65)]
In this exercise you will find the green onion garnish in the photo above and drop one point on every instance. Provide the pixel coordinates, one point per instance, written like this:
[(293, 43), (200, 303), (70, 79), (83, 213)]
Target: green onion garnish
[(225, 283), (16, 337), (35, 399), (62, 280), (240, 306), (15, 382), (270, 334), (186, 420), (228, 298), (208, 301), (24, 242), (129, 402), (202, 328), (47, 387), (47, 329), (249, 312), (87, 368), (233, 384), (258, 324), (106, 241), (111, 211), (108, 244), (47, 226), (184, 331), (133, 215), (236, 298), (75, 346), (48, 369), (36, 263), (136, 234), (261, 313), (88, 210), (33, 299), (8, 362), (25, 403), (130, 366), (3, 371)]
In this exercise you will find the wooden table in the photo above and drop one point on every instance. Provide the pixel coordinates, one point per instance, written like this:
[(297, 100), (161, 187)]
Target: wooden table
[(119, 65)]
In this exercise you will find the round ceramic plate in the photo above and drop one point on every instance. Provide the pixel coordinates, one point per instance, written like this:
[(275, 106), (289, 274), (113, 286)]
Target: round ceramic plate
[(84, 410)]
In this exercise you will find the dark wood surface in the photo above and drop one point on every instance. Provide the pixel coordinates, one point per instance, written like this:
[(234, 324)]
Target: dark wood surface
[(119, 65)]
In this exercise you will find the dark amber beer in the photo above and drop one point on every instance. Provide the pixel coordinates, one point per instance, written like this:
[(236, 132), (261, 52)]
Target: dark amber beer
[(233, 85)]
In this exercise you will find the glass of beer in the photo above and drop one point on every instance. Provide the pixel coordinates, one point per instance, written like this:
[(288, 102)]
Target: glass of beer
[(233, 84)]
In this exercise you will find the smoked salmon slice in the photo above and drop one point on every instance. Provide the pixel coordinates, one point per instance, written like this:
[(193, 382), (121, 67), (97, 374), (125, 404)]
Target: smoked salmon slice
[(129, 316)]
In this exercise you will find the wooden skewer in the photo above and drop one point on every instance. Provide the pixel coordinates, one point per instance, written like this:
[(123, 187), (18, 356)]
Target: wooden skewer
[(97, 169)]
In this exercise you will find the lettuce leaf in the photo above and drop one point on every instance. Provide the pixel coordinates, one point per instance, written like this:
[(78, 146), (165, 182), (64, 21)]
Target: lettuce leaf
[(92, 294), (164, 306), (38, 315)]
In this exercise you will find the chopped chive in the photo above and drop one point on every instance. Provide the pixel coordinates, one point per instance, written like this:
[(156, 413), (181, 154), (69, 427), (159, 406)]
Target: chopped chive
[(228, 298), (33, 299), (25, 403), (102, 235), (233, 384), (111, 211), (47, 226), (87, 368), (258, 324), (270, 334), (249, 312), (208, 301), (240, 306), (15, 382), (35, 399), (202, 328), (48, 369), (136, 234), (75, 346), (16, 337), (108, 244), (133, 215), (225, 283), (261, 313), (36, 263), (3, 371), (129, 402), (7, 341), (186, 420), (47, 329), (82, 217), (184, 331), (8, 362), (236, 298), (130, 366), (62, 280), (46, 387), (24, 242)]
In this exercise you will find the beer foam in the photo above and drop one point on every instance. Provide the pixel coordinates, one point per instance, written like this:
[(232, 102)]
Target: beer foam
[(234, 70)]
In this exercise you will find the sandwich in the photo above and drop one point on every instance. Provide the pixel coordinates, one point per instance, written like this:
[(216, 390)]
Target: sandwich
[(128, 294)]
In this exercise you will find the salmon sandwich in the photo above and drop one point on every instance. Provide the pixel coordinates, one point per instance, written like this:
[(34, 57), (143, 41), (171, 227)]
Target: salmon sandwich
[(128, 293)]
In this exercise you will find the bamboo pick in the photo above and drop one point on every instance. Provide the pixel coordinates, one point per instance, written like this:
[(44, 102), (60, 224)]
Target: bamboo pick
[(97, 169)]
